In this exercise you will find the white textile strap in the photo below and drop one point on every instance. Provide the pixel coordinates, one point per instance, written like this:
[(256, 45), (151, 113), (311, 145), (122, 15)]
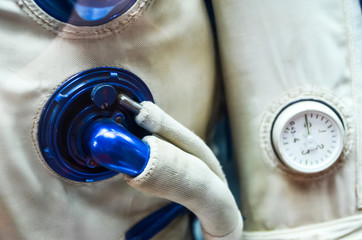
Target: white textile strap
[(156, 121)]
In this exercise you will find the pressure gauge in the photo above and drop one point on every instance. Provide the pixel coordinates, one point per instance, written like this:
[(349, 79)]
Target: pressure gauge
[(308, 136)]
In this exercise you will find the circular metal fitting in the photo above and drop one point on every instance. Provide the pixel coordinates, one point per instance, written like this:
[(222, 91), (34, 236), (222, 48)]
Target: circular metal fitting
[(74, 106), (104, 95)]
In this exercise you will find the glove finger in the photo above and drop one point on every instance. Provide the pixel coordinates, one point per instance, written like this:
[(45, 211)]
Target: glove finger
[(155, 120), (183, 178)]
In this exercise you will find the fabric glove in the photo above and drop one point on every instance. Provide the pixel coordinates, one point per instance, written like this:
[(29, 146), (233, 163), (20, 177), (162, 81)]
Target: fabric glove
[(183, 169)]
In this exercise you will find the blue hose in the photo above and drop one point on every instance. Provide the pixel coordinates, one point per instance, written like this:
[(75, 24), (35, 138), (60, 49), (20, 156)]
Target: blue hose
[(156, 222)]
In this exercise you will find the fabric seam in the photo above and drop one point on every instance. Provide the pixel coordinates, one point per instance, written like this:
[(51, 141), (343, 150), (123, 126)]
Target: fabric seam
[(356, 84), (302, 229)]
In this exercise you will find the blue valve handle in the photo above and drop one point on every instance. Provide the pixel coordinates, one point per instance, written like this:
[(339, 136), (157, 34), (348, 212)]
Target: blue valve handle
[(114, 147)]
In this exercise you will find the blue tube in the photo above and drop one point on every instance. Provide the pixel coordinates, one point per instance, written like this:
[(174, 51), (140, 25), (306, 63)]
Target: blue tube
[(156, 222), (112, 146)]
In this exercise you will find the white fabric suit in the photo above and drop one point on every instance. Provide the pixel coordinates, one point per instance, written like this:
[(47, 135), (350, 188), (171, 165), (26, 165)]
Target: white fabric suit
[(271, 53), (275, 52), (167, 44)]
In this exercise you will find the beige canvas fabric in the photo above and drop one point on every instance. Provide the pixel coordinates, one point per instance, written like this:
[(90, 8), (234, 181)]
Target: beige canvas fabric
[(155, 120), (273, 53), (167, 44)]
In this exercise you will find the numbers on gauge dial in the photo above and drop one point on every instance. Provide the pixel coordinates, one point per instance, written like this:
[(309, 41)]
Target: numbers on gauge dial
[(310, 138)]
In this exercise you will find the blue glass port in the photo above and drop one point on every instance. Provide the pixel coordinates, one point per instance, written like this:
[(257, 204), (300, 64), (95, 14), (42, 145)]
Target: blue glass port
[(85, 12)]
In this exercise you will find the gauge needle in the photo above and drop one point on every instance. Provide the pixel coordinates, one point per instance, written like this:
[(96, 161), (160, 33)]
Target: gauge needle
[(306, 123)]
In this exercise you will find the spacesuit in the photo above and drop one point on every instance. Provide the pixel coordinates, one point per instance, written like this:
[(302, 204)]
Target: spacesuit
[(273, 55), (166, 44)]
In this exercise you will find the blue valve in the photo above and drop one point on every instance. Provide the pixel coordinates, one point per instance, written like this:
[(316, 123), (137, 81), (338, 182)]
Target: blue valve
[(112, 146), (83, 105), (87, 133)]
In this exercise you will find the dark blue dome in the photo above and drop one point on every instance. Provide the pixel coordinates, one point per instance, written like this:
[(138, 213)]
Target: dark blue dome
[(85, 12)]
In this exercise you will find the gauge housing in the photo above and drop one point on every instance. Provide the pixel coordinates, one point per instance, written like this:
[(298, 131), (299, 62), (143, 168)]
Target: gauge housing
[(308, 136)]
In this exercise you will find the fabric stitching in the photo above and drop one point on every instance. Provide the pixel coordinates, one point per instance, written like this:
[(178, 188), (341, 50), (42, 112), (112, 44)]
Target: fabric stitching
[(143, 115), (354, 72), (303, 229), (227, 234), (68, 31)]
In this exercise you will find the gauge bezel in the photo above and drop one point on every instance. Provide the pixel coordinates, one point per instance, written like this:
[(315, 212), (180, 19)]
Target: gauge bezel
[(288, 113)]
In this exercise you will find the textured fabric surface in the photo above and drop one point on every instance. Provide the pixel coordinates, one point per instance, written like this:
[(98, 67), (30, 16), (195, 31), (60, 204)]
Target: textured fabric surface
[(235, 234), (75, 32), (354, 30), (187, 172), (155, 120), (181, 177), (168, 46), (344, 229), (274, 52)]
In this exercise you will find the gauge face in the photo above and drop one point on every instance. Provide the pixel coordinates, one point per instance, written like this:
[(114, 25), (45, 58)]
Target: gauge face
[(308, 136)]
